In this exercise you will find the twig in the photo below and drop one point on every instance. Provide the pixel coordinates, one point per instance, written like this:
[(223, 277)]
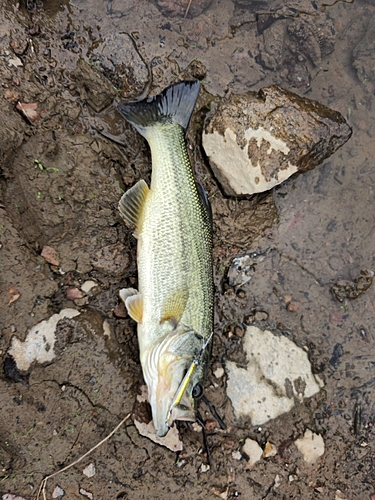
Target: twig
[(43, 484), (187, 9)]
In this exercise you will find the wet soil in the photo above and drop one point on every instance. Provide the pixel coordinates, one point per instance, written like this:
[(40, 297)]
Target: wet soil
[(61, 179)]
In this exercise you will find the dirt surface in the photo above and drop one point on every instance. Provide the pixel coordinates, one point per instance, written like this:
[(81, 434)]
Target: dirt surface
[(62, 64)]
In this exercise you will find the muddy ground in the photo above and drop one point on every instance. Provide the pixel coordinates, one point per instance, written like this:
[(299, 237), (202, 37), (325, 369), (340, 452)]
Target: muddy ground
[(60, 183)]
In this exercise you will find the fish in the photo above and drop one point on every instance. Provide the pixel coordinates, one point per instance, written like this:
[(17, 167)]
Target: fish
[(172, 221)]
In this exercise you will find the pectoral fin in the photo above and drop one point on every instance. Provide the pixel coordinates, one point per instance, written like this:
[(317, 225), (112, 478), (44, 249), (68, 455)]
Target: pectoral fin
[(133, 303), (132, 202), (174, 307)]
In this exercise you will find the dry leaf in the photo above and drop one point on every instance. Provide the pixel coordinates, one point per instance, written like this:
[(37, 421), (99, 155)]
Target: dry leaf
[(28, 109), (50, 255), (15, 294)]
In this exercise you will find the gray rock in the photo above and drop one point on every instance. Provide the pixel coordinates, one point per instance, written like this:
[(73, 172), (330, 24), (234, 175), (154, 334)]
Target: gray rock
[(277, 376), (255, 141)]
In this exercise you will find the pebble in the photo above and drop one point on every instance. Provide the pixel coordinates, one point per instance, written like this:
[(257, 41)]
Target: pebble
[(89, 471), (204, 468), (106, 329), (87, 286), (58, 492), (236, 455), (86, 493), (219, 372), (311, 446), (253, 451), (270, 450)]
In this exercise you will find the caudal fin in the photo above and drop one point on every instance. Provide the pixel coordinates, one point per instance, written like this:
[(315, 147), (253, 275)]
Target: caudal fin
[(174, 105)]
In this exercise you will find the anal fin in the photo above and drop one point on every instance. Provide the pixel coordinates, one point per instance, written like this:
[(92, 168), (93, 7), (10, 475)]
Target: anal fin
[(132, 202)]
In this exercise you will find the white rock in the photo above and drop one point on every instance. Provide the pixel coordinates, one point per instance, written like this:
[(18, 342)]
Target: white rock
[(311, 446), (278, 374), (89, 470), (253, 450), (86, 493), (58, 492), (278, 481), (236, 455), (39, 342), (219, 372), (15, 61), (204, 468), (87, 286), (106, 329), (244, 176)]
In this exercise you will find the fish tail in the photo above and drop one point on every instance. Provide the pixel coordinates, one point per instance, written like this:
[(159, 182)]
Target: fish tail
[(174, 105)]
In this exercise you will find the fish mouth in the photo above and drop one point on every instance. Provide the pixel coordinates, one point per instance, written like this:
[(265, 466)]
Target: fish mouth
[(164, 413), (162, 394)]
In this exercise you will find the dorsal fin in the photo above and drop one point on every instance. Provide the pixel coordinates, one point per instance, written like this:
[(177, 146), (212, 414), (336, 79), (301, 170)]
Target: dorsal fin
[(132, 202), (174, 306)]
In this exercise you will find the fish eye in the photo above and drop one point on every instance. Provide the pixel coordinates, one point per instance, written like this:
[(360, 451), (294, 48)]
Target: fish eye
[(197, 391)]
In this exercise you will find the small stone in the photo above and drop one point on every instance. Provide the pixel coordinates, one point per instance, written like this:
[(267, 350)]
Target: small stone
[(88, 286), (261, 316), (73, 293), (253, 451), (204, 468), (270, 450), (15, 61), (311, 446), (219, 372), (278, 481), (106, 329), (58, 492), (236, 455), (196, 427), (10, 496), (120, 310), (89, 470), (293, 306), (49, 254), (87, 494), (81, 302)]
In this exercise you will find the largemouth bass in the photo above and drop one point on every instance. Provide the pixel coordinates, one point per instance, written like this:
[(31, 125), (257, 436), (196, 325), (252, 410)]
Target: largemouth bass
[(174, 303)]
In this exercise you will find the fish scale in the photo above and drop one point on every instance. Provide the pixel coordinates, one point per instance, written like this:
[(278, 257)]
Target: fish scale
[(176, 233)]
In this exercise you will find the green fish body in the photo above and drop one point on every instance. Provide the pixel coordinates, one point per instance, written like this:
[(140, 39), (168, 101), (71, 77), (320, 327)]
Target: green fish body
[(174, 303)]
